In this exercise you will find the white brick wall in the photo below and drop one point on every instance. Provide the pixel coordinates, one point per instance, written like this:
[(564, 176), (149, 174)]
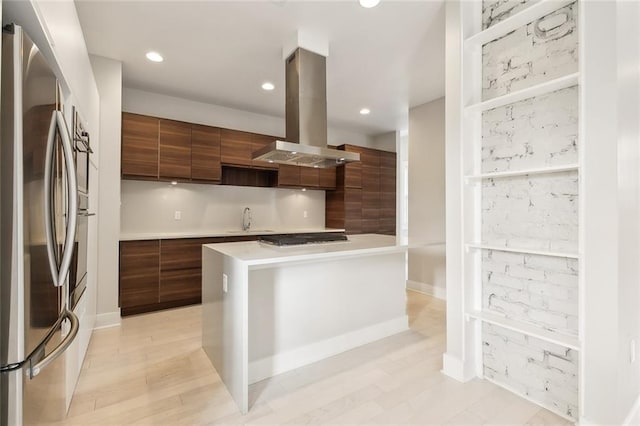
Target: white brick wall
[(538, 52), (516, 285), (546, 372), (494, 11), (535, 212), (536, 132)]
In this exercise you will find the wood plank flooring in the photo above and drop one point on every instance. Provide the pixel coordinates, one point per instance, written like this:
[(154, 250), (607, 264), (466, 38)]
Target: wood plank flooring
[(152, 371)]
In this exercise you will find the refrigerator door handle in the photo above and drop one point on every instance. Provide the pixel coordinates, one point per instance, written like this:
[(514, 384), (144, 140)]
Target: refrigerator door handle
[(72, 190), (48, 213), (35, 369)]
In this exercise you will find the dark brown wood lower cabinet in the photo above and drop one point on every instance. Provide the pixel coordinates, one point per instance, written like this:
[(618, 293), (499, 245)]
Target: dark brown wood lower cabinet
[(184, 286), (162, 274), (139, 275)]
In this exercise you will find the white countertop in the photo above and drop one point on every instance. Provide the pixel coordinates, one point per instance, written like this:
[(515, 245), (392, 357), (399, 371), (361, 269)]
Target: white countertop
[(133, 236), (256, 253)]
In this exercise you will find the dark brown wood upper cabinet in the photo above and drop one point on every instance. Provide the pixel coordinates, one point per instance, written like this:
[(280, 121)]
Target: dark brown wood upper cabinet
[(309, 177), (175, 150), (161, 149), (205, 153), (350, 175), (236, 147), (288, 176), (327, 178), (260, 141), (139, 146)]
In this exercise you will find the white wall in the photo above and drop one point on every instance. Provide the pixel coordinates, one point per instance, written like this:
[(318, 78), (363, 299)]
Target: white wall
[(426, 266), (628, 51), (385, 141), (148, 207), (611, 211), (108, 74), (165, 106)]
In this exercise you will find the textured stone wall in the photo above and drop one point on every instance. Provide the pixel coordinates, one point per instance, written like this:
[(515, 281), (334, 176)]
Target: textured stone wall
[(536, 132), (534, 212), (538, 52), (494, 11), (543, 371), (539, 290), (537, 212)]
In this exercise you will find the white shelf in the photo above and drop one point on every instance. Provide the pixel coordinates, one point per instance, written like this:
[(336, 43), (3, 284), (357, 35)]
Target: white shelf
[(524, 251), (525, 172), (529, 92), (518, 20), (561, 339)]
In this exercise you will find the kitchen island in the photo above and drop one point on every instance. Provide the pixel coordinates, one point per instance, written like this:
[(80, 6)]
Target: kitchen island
[(269, 309)]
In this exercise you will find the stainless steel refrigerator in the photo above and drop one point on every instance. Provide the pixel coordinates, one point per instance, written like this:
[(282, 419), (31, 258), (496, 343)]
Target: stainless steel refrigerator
[(38, 215)]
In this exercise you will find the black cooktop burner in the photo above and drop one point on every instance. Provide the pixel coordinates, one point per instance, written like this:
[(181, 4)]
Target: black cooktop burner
[(300, 239)]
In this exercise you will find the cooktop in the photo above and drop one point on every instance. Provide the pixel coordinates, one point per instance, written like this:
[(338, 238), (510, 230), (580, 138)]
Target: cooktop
[(300, 239)]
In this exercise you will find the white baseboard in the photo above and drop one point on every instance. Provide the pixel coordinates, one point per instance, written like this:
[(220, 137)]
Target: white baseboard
[(290, 360), (428, 289), (634, 414), (456, 369), (109, 319)]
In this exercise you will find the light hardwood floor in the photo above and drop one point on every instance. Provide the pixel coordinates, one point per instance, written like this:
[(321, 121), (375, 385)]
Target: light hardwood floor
[(151, 370)]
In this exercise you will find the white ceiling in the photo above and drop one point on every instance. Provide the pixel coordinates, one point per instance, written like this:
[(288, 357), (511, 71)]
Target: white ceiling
[(388, 58)]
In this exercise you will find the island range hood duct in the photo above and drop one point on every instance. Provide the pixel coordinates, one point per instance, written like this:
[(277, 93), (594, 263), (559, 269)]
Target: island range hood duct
[(306, 117)]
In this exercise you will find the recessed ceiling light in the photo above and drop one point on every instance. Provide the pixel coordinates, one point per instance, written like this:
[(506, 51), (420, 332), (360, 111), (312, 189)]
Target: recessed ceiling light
[(154, 57), (268, 86), (365, 111), (174, 182), (369, 3)]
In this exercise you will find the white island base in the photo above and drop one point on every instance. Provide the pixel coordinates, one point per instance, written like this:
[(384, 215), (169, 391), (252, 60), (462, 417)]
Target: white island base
[(286, 307)]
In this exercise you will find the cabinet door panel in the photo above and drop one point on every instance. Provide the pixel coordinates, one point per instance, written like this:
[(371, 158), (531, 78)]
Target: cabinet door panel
[(259, 141), (236, 147), (327, 179), (181, 285), (370, 178), (370, 205), (139, 145), (370, 226), (309, 177), (288, 175), (387, 159), (353, 210), (353, 171), (180, 254), (175, 149), (139, 273), (387, 226), (387, 171), (335, 208), (205, 153)]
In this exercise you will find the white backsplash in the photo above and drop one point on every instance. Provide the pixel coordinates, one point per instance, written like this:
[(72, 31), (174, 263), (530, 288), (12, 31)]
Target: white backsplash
[(149, 207)]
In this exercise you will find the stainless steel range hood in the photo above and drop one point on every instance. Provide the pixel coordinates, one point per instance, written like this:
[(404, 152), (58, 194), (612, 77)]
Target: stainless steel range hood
[(306, 117)]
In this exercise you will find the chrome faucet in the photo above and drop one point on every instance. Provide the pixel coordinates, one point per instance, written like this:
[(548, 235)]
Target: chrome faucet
[(246, 219)]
